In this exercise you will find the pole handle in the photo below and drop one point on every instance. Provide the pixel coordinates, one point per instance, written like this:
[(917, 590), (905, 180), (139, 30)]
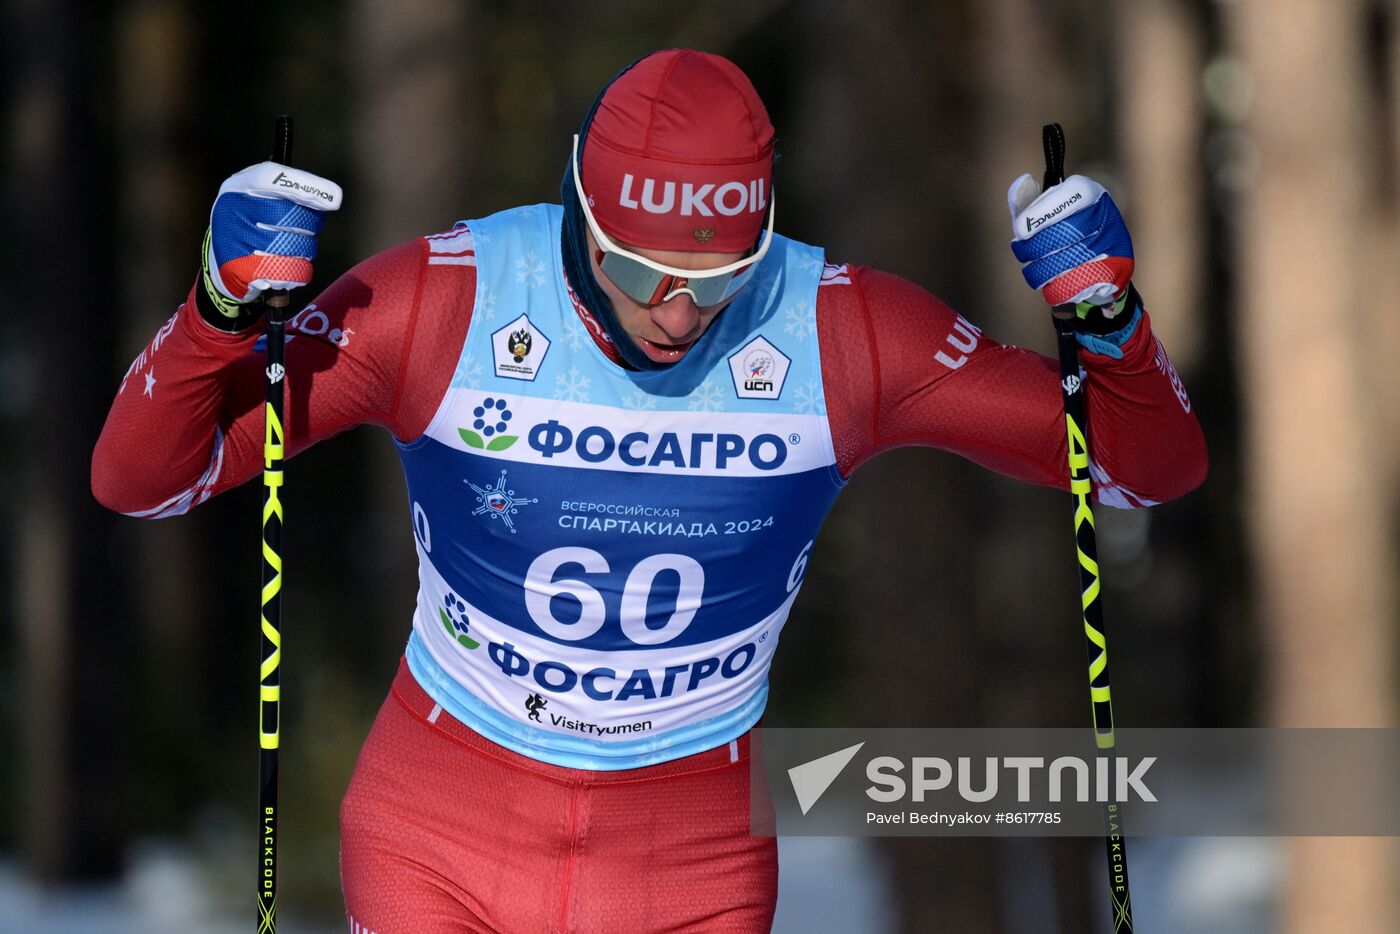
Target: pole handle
[(1052, 137), (282, 139), (276, 301)]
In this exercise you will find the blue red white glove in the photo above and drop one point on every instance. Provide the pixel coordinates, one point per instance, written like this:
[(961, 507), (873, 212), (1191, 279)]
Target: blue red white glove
[(262, 235), (1075, 249)]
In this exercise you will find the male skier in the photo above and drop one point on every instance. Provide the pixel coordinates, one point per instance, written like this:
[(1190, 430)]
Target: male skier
[(622, 420)]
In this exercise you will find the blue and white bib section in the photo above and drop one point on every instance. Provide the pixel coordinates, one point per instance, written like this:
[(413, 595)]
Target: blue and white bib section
[(607, 557)]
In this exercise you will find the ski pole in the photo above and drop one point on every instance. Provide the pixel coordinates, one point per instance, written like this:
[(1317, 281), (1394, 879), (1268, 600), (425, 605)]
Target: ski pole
[(275, 303), (1081, 488)]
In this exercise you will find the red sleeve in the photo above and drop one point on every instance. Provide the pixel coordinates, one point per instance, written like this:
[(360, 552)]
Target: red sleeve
[(900, 367), (378, 346)]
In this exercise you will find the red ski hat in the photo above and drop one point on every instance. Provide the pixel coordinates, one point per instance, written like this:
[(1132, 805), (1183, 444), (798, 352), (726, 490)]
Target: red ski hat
[(679, 155)]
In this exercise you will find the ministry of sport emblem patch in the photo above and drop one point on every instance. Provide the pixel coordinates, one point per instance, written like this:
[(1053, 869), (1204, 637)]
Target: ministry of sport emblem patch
[(759, 369), (518, 349)]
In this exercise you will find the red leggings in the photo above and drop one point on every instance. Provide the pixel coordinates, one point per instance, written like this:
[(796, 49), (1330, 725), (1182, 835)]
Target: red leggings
[(443, 830)]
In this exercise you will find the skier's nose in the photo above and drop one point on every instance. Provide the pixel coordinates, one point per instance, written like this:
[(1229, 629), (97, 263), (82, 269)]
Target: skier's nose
[(678, 316)]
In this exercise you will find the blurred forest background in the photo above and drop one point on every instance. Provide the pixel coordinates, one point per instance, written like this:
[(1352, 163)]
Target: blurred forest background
[(1253, 145)]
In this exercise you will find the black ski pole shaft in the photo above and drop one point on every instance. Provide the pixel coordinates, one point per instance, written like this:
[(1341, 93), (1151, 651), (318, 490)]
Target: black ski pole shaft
[(1086, 543), (275, 304)]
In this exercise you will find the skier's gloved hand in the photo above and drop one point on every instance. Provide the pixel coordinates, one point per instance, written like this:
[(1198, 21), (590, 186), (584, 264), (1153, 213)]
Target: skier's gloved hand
[(262, 235), (1074, 247)]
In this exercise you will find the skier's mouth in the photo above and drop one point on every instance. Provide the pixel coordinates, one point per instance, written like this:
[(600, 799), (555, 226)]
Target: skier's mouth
[(663, 353)]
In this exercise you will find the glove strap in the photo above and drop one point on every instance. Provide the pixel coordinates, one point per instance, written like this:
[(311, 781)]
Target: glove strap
[(218, 310), (1100, 334)]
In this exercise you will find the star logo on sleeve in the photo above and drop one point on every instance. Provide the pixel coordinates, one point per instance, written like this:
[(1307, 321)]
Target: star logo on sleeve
[(150, 382)]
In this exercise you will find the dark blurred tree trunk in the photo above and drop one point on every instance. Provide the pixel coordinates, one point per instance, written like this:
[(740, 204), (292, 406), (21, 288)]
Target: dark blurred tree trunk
[(1034, 654), (907, 521), (1382, 217), (414, 68), (1160, 55), (74, 631), (1325, 556), (159, 202), (419, 85)]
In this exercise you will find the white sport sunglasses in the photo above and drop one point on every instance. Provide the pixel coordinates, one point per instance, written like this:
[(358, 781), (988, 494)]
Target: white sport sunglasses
[(651, 283)]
